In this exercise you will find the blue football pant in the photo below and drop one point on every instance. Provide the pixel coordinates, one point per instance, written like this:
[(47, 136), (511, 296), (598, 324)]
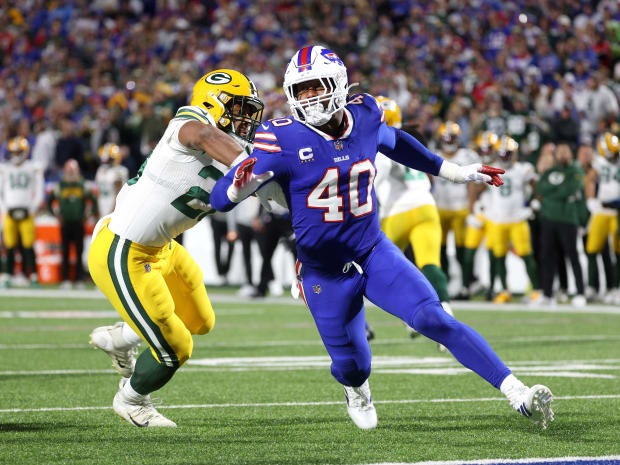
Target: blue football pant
[(389, 280)]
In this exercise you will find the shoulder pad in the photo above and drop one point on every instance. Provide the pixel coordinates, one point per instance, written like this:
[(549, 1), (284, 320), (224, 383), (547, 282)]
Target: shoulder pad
[(368, 102), (269, 134), (195, 113)]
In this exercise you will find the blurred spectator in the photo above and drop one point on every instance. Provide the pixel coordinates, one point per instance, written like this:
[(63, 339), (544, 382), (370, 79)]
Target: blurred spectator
[(75, 204), (222, 247), (564, 128), (69, 145), (241, 229)]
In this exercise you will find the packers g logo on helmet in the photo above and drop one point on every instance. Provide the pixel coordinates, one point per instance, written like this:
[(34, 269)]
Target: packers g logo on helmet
[(608, 145), (393, 115), (218, 78), (232, 99), (18, 148)]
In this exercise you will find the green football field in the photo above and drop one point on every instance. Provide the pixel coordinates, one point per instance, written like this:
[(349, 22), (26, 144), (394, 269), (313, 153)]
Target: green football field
[(258, 389)]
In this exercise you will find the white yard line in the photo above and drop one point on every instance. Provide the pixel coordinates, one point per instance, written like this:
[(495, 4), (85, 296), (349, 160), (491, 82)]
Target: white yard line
[(604, 460), (88, 314), (230, 298), (305, 404)]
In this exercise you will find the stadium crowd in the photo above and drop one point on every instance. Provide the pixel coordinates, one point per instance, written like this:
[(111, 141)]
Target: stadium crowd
[(77, 75)]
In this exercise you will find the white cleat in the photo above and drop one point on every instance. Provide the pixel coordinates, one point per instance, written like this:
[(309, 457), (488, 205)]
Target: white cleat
[(141, 414), (535, 403), (110, 340), (579, 301), (360, 406)]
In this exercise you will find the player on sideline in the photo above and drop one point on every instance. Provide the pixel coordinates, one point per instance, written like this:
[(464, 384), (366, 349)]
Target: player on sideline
[(151, 280), (322, 158)]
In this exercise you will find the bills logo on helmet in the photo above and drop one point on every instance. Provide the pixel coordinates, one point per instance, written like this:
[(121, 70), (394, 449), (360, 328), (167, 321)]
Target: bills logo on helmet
[(219, 78), (331, 56)]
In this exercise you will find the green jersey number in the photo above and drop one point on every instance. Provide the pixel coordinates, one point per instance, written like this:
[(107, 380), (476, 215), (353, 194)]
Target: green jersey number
[(191, 203), (505, 189), (19, 180)]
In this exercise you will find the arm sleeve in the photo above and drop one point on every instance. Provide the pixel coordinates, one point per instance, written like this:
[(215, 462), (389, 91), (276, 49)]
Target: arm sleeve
[(264, 162), (407, 150)]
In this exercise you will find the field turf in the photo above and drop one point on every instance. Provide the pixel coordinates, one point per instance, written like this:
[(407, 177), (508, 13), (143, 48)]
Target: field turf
[(258, 389)]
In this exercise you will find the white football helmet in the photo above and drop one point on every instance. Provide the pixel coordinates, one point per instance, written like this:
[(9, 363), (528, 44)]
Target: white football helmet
[(310, 63)]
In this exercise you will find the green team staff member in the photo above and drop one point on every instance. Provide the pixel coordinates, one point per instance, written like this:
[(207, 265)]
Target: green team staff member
[(560, 189), (72, 196)]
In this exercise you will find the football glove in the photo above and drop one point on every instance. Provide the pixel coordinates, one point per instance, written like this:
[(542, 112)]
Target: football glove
[(594, 205), (475, 172), (245, 181), (473, 221)]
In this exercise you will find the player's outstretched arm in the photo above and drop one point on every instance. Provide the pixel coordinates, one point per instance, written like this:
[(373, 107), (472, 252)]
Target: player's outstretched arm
[(213, 141), (237, 185), (408, 151)]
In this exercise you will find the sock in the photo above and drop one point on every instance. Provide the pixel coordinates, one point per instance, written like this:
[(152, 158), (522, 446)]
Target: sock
[(130, 336), (10, 262), (532, 270), (438, 280), (149, 375), (460, 253), (468, 266), (445, 264), (130, 394), (29, 262), (593, 281), (467, 346), (617, 281), (512, 388), (492, 270), (500, 268)]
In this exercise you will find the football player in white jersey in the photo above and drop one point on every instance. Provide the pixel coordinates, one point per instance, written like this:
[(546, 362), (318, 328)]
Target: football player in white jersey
[(452, 199), (21, 193), (508, 215), (478, 222), (151, 280), (408, 213), (110, 177), (603, 224)]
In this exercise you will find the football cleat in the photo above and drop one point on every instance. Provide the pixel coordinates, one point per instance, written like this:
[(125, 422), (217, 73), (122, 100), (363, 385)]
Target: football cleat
[(360, 406), (579, 301), (141, 413), (502, 298), (534, 403), (110, 340)]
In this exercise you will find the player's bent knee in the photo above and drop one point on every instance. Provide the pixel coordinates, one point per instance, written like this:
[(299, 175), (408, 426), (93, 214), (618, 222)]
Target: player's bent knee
[(432, 321)]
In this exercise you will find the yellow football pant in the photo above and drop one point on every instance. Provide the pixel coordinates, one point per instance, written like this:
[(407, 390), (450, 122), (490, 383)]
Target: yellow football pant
[(501, 235), (159, 292), (12, 230), (453, 220), (419, 227), (474, 236), (601, 227)]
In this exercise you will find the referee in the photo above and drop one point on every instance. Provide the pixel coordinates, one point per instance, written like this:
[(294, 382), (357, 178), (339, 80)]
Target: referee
[(559, 190)]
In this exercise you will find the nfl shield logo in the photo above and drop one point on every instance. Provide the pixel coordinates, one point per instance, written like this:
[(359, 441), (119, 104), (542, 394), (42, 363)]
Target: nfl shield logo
[(317, 288), (147, 268), (338, 145)]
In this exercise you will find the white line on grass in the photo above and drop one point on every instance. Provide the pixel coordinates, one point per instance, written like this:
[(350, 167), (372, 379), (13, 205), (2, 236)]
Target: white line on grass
[(87, 314), (609, 459), (229, 298), (318, 342), (305, 404)]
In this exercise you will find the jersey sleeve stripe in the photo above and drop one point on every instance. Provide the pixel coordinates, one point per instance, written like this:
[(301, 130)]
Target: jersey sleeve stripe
[(265, 136), (193, 115), (267, 147)]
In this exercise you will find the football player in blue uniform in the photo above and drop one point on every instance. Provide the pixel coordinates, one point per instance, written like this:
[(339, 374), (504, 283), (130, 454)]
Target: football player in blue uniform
[(322, 161)]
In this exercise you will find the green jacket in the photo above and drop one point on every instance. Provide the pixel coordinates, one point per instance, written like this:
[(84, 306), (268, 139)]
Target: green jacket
[(561, 190), (71, 198)]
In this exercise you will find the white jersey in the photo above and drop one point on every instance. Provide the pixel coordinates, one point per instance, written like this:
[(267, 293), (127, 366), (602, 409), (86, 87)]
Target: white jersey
[(21, 186), (171, 192), (107, 179), (400, 189), (508, 200), (608, 181), (449, 195)]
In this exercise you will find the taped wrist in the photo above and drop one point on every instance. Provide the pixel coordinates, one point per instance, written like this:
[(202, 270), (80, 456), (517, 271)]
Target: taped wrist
[(450, 171)]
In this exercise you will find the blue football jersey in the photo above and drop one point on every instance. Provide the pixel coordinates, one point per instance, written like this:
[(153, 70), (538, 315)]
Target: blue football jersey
[(327, 181)]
